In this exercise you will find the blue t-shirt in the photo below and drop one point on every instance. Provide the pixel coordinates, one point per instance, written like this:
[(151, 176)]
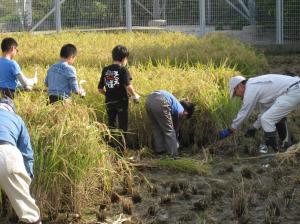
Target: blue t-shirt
[(9, 69), (13, 130), (61, 80), (176, 107)]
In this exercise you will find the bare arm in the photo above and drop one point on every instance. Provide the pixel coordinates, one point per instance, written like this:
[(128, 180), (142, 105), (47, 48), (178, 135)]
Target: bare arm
[(131, 90), (24, 82), (102, 91)]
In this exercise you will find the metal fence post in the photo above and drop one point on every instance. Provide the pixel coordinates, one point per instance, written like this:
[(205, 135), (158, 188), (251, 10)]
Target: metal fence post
[(57, 16), (202, 17), (128, 16), (279, 21)]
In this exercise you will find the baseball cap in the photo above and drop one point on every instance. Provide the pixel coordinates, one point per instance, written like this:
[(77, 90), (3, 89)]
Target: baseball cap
[(9, 102), (233, 82)]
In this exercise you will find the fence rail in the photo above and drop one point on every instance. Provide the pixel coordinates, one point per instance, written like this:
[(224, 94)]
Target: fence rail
[(254, 21)]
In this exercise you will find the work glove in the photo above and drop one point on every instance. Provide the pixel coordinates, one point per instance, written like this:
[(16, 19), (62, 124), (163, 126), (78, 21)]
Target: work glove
[(136, 98), (225, 133), (250, 132), (82, 92)]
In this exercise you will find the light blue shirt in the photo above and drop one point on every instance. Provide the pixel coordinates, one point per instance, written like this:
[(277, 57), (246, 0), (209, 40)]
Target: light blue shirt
[(9, 69), (176, 107), (14, 131), (61, 80)]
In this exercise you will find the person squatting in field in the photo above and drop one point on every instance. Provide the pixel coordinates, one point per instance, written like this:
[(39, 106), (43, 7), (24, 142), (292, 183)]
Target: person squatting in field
[(16, 163), (275, 95), (165, 113), (115, 85), (61, 78), (10, 71)]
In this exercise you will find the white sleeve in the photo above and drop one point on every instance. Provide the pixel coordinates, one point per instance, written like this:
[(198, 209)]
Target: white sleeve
[(24, 81), (249, 104), (257, 123)]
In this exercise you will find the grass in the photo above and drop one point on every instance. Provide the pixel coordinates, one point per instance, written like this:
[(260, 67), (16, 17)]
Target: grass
[(186, 165), (73, 165)]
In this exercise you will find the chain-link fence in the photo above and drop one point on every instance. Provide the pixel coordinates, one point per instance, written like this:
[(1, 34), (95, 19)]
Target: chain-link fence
[(254, 21)]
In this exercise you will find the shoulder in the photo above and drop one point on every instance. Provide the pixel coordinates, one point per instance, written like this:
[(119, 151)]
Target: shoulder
[(10, 63), (14, 63), (15, 118), (124, 69), (69, 68), (105, 68)]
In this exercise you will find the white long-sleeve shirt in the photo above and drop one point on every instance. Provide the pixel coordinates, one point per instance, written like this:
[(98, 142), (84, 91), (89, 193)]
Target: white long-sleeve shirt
[(261, 92)]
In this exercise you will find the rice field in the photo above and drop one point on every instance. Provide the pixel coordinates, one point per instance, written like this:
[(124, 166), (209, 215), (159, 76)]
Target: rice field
[(74, 167)]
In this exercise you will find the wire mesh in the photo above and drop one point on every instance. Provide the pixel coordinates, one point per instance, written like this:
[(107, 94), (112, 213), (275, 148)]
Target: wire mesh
[(254, 21)]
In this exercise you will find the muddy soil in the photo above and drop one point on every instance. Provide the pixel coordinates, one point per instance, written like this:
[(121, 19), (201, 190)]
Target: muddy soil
[(237, 190)]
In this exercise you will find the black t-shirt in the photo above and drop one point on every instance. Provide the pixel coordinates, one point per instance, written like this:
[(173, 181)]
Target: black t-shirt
[(115, 79)]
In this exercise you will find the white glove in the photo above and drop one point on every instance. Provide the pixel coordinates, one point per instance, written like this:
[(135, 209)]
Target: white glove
[(136, 98), (35, 80), (82, 92)]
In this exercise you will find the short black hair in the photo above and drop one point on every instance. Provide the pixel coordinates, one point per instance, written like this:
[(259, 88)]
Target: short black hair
[(188, 107), (244, 81), (7, 43), (68, 50), (119, 53)]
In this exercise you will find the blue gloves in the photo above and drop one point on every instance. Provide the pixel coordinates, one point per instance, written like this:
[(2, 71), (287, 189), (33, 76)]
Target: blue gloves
[(225, 133)]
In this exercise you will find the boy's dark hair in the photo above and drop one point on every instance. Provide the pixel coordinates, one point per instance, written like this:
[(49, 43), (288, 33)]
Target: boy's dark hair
[(244, 81), (188, 107), (7, 43), (68, 50), (119, 53)]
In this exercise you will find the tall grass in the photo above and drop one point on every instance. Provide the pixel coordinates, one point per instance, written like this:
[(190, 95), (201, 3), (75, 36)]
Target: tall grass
[(72, 161), (173, 48)]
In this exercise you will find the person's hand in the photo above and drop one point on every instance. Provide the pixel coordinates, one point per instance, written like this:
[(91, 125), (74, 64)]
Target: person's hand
[(136, 98), (82, 92), (250, 132), (225, 133)]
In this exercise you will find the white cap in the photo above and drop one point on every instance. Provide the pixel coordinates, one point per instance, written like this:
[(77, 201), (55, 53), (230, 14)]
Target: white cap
[(233, 82)]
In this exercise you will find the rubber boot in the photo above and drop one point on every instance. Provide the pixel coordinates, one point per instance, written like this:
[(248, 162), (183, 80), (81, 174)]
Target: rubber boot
[(283, 132), (271, 140)]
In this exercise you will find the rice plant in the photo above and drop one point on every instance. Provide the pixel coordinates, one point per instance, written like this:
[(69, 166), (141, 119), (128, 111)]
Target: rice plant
[(73, 165)]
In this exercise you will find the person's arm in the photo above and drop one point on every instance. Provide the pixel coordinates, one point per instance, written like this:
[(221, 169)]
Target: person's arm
[(176, 124), (16, 71), (46, 82), (25, 82), (102, 91), (129, 87), (101, 83), (249, 103), (131, 90), (73, 83), (24, 145)]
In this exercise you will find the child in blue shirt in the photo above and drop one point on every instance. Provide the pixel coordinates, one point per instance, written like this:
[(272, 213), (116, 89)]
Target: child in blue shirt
[(61, 78), (10, 71)]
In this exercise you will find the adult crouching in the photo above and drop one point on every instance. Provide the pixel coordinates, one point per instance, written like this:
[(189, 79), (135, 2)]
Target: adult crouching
[(165, 113)]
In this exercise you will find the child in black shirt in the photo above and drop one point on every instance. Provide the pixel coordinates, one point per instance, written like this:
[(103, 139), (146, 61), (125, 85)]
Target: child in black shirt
[(115, 85)]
